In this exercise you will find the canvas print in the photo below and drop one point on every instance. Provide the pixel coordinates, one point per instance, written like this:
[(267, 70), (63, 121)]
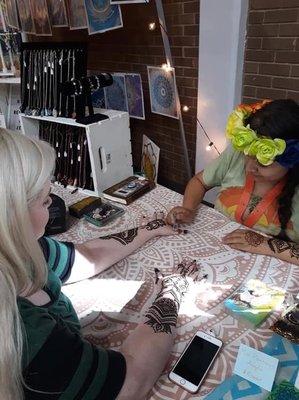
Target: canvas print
[(150, 159), (77, 15), (57, 12), (162, 88), (102, 16), (135, 95), (98, 98), (115, 95), (3, 27), (25, 15), (41, 18), (12, 14), (128, 1)]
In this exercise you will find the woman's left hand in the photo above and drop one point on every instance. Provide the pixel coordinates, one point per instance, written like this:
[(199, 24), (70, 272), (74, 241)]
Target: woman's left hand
[(246, 240)]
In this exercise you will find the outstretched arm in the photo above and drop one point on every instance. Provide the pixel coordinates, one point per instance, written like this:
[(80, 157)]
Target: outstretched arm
[(147, 349), (193, 196), (94, 256), (253, 242)]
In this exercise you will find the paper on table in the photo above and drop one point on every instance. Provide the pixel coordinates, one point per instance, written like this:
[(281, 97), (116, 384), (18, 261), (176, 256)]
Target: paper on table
[(256, 367)]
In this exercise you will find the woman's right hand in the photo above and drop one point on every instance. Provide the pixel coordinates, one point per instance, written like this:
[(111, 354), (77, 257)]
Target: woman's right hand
[(181, 215)]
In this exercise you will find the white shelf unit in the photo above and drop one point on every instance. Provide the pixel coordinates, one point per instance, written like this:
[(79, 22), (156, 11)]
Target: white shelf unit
[(6, 92), (109, 144)]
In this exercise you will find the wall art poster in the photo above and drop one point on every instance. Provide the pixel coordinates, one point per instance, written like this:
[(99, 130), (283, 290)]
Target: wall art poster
[(2, 19), (76, 14), (12, 14), (128, 1), (115, 95), (162, 88), (135, 95), (150, 159), (25, 15), (41, 19), (102, 16), (98, 98), (57, 12)]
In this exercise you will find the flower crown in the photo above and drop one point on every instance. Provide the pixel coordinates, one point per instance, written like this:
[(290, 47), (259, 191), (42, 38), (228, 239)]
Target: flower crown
[(245, 139)]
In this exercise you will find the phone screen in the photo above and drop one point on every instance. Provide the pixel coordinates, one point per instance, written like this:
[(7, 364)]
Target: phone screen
[(196, 360)]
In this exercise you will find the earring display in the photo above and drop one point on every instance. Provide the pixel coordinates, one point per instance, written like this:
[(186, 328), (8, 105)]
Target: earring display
[(72, 156), (44, 70)]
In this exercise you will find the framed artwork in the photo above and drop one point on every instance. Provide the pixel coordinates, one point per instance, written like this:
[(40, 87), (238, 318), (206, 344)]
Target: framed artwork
[(76, 13), (116, 95), (135, 96), (12, 14), (41, 18), (150, 159), (25, 15), (57, 12), (162, 87), (102, 16), (128, 1), (3, 27)]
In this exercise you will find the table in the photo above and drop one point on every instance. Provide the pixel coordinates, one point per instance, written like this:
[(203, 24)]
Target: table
[(113, 303)]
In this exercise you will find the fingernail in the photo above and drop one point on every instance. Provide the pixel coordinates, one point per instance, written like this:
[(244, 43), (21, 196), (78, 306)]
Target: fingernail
[(185, 231)]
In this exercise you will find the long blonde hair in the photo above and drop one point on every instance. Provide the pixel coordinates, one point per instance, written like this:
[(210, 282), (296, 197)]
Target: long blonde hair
[(25, 167)]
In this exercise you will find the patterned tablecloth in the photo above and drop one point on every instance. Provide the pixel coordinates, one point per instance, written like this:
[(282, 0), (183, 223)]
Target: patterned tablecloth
[(113, 303)]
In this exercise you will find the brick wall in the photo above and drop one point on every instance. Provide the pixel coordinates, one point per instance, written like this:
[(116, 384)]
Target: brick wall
[(134, 47), (271, 68)]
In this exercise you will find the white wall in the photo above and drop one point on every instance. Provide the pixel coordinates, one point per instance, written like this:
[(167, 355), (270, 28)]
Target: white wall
[(222, 30)]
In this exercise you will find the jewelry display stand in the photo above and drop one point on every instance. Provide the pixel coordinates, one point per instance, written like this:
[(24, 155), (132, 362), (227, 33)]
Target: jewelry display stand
[(109, 146)]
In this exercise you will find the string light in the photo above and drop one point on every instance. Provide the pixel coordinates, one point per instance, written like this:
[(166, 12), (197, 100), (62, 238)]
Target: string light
[(185, 108), (152, 26), (211, 144), (166, 67)]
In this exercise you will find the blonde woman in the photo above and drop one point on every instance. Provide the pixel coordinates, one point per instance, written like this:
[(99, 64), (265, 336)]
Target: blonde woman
[(42, 353)]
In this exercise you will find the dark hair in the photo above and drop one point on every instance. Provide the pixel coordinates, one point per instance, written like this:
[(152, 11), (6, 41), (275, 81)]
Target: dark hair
[(280, 119)]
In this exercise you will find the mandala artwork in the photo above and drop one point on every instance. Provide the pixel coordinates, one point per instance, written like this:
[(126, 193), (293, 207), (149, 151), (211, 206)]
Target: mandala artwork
[(135, 95), (98, 98), (102, 16), (162, 88), (115, 95)]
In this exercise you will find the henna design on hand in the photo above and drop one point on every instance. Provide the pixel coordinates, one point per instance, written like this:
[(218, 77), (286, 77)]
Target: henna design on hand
[(155, 224), (124, 238), (254, 239), (279, 246), (162, 315)]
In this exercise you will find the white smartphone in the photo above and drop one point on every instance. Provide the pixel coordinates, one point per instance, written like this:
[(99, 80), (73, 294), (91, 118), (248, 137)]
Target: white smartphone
[(197, 358)]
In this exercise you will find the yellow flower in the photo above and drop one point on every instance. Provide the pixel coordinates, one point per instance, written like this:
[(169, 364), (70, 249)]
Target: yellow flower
[(236, 120), (242, 138), (265, 150)]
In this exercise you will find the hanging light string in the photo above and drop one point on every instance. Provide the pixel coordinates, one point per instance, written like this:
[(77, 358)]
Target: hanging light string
[(211, 143), (152, 26)]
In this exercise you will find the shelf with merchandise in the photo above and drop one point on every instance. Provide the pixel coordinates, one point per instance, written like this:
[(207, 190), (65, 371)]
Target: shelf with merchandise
[(108, 145)]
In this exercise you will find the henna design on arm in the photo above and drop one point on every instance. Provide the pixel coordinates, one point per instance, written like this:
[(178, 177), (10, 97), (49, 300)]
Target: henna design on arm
[(280, 246), (162, 315), (124, 238), (254, 239), (155, 224)]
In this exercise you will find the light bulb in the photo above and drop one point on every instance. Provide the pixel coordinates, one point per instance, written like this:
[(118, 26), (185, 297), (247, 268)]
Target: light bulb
[(152, 26), (186, 108), (166, 67), (209, 147)]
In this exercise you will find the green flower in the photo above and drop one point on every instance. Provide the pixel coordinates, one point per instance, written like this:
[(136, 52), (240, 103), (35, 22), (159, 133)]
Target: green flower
[(265, 150), (242, 138), (236, 120)]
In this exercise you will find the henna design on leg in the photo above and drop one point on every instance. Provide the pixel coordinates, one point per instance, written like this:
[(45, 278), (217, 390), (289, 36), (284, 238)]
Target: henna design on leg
[(254, 239)]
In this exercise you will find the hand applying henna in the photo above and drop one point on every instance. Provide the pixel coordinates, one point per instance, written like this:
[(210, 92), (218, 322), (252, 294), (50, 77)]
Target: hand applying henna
[(246, 240)]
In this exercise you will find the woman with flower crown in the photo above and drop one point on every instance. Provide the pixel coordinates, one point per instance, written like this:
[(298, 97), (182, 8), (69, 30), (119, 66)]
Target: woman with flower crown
[(258, 175)]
